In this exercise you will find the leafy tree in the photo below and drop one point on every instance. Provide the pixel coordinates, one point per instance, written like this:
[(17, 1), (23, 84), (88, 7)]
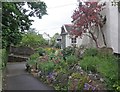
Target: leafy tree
[(15, 20), (86, 18), (32, 39), (53, 39)]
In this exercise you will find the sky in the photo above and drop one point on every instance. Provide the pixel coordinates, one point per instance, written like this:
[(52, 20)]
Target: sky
[(59, 13)]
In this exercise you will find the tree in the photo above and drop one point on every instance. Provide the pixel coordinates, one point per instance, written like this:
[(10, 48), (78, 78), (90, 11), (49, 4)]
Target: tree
[(15, 20), (53, 39), (33, 40), (86, 18)]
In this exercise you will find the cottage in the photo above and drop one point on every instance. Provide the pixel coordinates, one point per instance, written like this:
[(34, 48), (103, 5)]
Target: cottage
[(67, 39)]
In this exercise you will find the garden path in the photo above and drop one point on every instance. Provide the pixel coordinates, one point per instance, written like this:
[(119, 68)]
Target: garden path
[(18, 79)]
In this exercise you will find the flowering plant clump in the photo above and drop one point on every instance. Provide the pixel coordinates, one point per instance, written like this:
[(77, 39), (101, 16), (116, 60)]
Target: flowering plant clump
[(63, 74), (51, 77), (77, 81), (88, 87)]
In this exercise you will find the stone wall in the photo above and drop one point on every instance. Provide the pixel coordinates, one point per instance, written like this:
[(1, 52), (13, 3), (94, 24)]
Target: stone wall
[(19, 54), (22, 50)]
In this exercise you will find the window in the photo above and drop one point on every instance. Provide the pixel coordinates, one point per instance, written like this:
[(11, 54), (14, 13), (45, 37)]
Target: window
[(58, 39), (73, 40)]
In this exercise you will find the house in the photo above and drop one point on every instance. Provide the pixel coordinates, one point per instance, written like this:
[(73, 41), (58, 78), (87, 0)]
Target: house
[(111, 28), (67, 39), (111, 31)]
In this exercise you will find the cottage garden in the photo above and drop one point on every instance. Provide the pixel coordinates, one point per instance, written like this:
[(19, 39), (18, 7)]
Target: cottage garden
[(68, 69)]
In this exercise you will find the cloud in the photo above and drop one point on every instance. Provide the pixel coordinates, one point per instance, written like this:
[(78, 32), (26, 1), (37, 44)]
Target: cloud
[(59, 13)]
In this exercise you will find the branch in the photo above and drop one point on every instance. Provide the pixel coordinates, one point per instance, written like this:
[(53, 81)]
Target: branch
[(88, 35)]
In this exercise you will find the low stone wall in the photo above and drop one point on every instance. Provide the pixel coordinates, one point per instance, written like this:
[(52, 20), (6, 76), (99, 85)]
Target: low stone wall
[(22, 50), (16, 58), (19, 54)]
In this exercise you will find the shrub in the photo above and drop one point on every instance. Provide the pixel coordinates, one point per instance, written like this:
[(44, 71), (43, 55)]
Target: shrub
[(71, 59), (77, 81), (34, 56), (41, 51), (116, 86), (47, 66), (89, 63), (33, 59), (104, 64), (108, 68), (68, 51), (91, 52), (48, 50)]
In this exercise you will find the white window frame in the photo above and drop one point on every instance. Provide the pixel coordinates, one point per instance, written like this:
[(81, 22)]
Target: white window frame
[(73, 40)]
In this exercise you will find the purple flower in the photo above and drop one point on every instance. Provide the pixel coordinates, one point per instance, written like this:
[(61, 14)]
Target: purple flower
[(86, 86)]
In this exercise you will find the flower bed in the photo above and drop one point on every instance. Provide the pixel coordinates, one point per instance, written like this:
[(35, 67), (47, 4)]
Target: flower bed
[(71, 73)]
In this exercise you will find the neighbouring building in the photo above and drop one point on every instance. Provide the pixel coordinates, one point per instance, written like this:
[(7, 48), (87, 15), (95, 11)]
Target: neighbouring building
[(67, 39)]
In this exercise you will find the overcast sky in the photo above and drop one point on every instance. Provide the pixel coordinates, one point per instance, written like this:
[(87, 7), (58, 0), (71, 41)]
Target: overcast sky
[(59, 13)]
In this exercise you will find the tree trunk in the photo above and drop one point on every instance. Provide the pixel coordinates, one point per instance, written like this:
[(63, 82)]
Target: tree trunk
[(92, 35), (94, 38), (103, 36)]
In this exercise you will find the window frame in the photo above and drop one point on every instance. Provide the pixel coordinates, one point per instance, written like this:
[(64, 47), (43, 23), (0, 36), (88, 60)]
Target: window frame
[(74, 40)]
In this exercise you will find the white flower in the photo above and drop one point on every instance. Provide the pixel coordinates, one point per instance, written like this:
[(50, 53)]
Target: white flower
[(101, 79), (70, 77)]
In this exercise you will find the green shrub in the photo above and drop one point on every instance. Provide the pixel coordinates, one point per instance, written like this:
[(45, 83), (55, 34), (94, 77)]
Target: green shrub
[(31, 62), (33, 59), (62, 66), (51, 56), (116, 86), (108, 68), (90, 63), (80, 81), (68, 51), (104, 64), (71, 59), (91, 52), (47, 66), (34, 56), (50, 50), (40, 50)]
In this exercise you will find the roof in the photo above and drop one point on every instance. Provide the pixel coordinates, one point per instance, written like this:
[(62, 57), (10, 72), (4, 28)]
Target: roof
[(69, 27), (66, 28)]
